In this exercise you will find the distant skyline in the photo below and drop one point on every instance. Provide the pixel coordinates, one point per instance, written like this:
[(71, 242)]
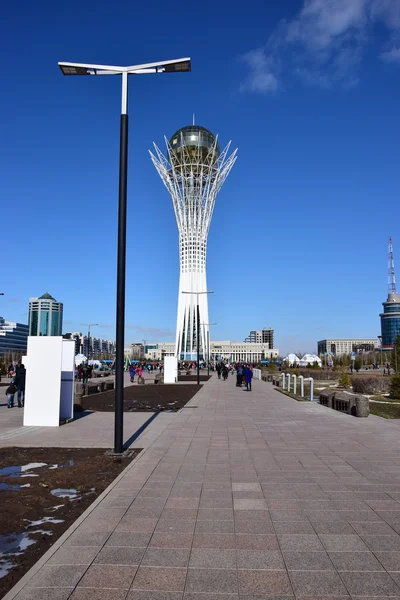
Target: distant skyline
[(308, 91)]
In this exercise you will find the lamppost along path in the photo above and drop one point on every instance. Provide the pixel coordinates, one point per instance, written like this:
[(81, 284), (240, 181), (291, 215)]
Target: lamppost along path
[(179, 65), (198, 331)]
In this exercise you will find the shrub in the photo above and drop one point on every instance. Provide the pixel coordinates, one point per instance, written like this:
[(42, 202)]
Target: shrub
[(296, 372), (394, 387), (369, 385), (344, 379)]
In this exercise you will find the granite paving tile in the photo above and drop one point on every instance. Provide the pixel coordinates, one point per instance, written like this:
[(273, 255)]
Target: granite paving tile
[(242, 526), (259, 559), (308, 561), (370, 584), (373, 528), (211, 540), (249, 504), (222, 581), (202, 596), (382, 543), (217, 527), (262, 582), (159, 578), (48, 593), (390, 560), (171, 540), (245, 541), (300, 542), (151, 595), (57, 576), (166, 557), (119, 555), (342, 543), (123, 538), (86, 538), (69, 555), (317, 583), (213, 558), (355, 561), (294, 527), (173, 526), (136, 525), (97, 594), (108, 576)]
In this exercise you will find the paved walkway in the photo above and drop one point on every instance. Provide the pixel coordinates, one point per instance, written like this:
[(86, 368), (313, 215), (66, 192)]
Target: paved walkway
[(250, 496)]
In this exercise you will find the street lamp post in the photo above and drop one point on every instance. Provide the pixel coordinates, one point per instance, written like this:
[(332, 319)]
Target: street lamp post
[(89, 325), (198, 330), (169, 66)]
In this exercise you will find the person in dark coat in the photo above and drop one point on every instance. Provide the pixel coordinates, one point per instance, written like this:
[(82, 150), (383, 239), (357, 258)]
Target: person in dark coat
[(10, 393), (20, 377), (239, 375), (248, 374)]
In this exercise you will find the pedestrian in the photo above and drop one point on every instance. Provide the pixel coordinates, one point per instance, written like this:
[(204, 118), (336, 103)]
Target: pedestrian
[(132, 373), (80, 372), (239, 375), (10, 393), (219, 370), (20, 377), (225, 372), (140, 374), (85, 372), (248, 377)]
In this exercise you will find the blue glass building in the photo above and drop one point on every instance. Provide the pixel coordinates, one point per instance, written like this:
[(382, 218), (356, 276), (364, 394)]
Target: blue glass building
[(13, 337), (45, 316), (390, 320)]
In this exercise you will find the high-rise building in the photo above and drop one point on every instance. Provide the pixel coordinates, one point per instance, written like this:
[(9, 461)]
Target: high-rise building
[(193, 173), (13, 337), (390, 318), (261, 336), (45, 316)]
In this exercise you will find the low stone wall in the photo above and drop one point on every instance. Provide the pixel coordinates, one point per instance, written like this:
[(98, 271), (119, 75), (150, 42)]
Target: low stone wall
[(87, 389), (351, 404)]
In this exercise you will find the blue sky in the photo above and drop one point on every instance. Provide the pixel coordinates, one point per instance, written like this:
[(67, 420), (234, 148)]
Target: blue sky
[(307, 90)]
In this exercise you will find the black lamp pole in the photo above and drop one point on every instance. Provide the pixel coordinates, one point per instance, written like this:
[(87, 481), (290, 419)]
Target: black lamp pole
[(121, 274), (198, 341)]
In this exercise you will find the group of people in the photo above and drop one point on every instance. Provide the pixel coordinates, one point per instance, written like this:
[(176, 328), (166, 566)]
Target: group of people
[(17, 386), (244, 373), (85, 372)]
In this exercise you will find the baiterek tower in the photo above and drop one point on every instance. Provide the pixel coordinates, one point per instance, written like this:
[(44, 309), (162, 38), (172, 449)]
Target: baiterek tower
[(193, 172)]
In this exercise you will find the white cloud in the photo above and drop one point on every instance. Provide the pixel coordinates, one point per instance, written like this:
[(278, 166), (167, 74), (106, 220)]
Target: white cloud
[(391, 56), (323, 45), (260, 78)]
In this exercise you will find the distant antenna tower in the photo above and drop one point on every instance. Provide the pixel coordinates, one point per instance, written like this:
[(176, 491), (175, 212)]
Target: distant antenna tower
[(391, 274)]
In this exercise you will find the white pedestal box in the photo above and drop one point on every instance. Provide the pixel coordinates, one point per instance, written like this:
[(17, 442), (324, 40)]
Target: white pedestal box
[(170, 369), (49, 387)]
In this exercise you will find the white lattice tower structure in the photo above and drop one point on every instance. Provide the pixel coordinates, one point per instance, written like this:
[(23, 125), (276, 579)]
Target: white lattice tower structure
[(193, 173)]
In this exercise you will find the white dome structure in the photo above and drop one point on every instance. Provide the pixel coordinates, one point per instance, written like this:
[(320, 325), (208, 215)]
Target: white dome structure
[(292, 359), (310, 359)]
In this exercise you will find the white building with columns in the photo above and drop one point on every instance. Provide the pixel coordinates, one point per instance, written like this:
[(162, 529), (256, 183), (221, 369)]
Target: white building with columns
[(242, 351)]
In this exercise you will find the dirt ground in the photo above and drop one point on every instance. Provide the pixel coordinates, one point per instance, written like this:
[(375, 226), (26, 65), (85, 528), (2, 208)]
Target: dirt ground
[(192, 377), (144, 398), (42, 492)]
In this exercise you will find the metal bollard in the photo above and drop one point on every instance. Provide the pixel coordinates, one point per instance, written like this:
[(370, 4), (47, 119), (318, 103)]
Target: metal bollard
[(294, 384), (288, 382), (301, 386)]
